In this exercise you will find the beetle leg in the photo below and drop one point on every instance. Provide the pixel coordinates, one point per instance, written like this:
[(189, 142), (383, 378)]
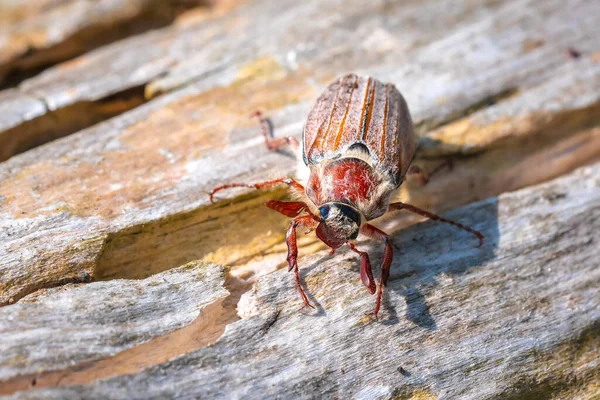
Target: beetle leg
[(366, 273), (386, 263), (435, 217), (417, 173), (261, 185), (266, 125), (292, 257), (288, 208), (422, 177)]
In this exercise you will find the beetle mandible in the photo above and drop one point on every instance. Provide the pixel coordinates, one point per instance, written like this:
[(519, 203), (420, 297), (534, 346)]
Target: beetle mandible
[(357, 146)]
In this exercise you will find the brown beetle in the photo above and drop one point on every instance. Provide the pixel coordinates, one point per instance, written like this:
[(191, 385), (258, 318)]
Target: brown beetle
[(357, 145)]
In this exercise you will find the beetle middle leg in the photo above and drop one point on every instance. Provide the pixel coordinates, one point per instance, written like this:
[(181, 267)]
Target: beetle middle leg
[(435, 217), (261, 185), (266, 126), (292, 257)]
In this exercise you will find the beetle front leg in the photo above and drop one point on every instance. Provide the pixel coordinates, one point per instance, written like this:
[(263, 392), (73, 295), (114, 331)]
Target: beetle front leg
[(366, 273), (292, 257), (288, 208), (386, 263)]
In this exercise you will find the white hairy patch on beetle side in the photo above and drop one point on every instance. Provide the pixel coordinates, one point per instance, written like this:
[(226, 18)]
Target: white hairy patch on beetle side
[(376, 205), (302, 170), (302, 175)]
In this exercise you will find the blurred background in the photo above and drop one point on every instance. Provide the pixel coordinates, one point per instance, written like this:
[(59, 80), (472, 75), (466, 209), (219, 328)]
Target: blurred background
[(118, 117)]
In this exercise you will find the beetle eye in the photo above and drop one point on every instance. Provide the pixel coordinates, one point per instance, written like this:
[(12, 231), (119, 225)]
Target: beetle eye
[(324, 212)]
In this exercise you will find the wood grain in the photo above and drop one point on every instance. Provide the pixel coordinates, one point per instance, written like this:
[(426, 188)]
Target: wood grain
[(37, 33), (509, 91), (79, 324), (140, 178)]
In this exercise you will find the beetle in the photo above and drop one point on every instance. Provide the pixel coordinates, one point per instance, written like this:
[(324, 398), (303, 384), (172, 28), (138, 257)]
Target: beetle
[(357, 146)]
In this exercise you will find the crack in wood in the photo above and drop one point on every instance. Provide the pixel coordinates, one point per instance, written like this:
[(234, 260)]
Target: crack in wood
[(429, 124), (205, 330), (65, 121), (152, 14)]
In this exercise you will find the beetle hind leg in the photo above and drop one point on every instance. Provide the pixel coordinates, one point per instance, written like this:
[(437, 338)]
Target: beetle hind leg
[(435, 217), (273, 143), (417, 173)]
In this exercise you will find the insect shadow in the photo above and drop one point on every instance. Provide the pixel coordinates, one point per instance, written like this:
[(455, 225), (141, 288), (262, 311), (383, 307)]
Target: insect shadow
[(429, 251), (319, 310)]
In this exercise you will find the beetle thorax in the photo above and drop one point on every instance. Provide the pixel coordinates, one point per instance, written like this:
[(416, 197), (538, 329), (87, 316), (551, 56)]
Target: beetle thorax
[(350, 180)]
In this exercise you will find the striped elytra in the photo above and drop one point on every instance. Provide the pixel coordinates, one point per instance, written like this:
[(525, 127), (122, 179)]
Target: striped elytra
[(361, 111)]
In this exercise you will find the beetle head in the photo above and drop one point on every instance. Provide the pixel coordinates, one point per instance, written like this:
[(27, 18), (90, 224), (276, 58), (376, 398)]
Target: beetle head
[(339, 224)]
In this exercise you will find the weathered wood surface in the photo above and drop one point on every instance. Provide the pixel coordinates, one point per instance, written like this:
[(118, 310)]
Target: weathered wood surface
[(516, 318), (61, 327), (127, 198), (489, 47), (491, 84), (34, 33)]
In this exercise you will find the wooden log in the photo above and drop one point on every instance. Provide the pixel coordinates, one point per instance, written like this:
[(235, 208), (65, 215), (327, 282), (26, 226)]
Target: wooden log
[(507, 90), (55, 329), (488, 50), (518, 317)]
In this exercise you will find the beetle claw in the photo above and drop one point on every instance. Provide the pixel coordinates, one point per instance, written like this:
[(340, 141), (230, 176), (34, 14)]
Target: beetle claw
[(372, 314)]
